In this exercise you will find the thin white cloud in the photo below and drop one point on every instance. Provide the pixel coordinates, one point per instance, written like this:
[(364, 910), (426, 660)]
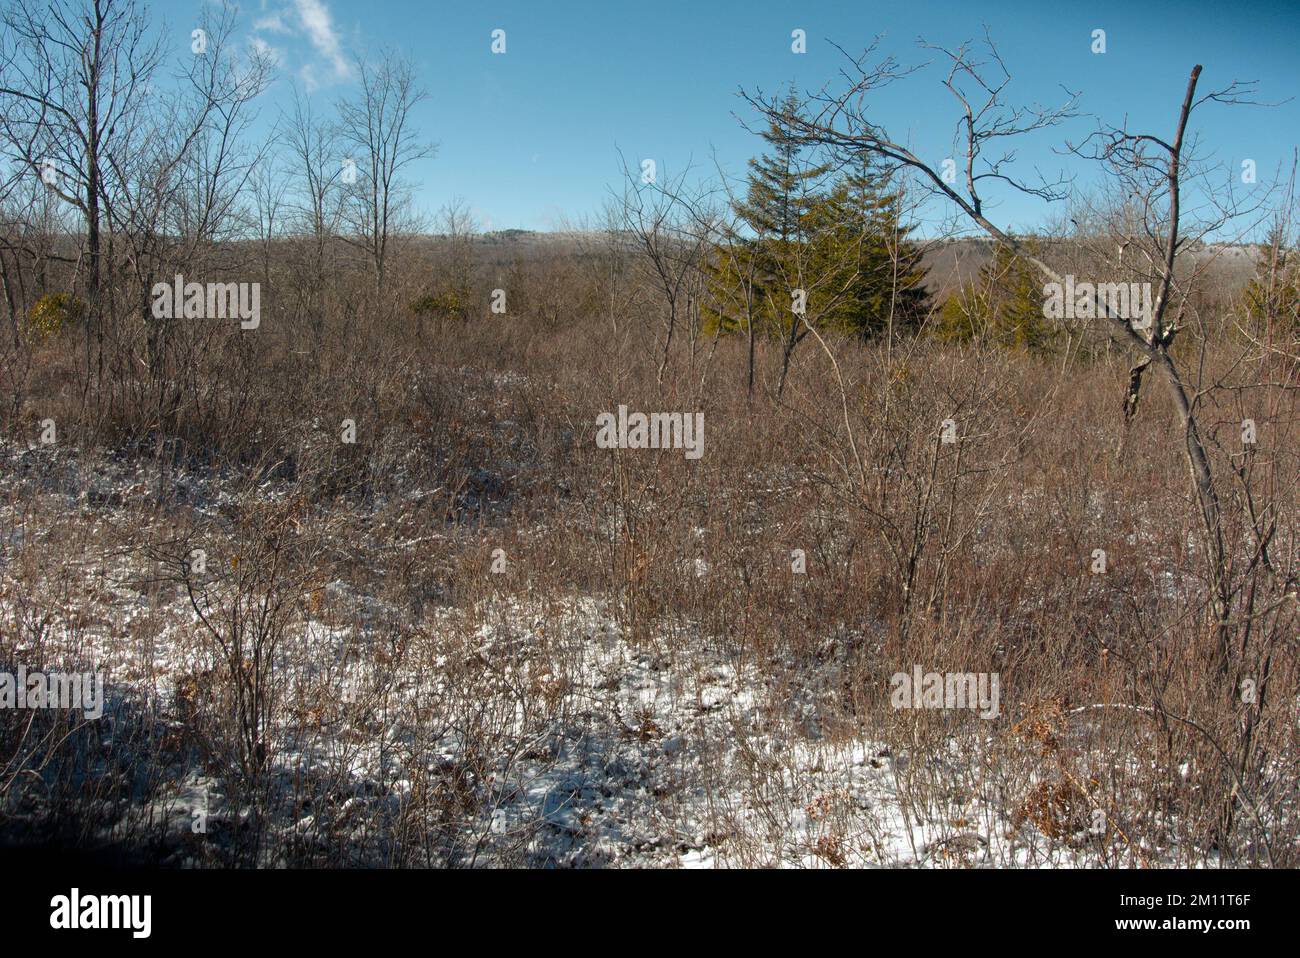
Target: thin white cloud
[(315, 18), (271, 23), (307, 74), (313, 21)]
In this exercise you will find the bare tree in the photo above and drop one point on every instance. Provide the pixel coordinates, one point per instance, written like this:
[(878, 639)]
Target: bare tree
[(457, 230), (180, 189), (1154, 168), (377, 125), (837, 122), (668, 225), (317, 172), (269, 183), (72, 79)]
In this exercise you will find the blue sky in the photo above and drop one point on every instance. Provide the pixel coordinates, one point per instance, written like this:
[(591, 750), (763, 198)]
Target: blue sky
[(531, 138)]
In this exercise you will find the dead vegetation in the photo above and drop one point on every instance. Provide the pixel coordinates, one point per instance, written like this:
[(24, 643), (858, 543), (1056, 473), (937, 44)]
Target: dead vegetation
[(365, 590)]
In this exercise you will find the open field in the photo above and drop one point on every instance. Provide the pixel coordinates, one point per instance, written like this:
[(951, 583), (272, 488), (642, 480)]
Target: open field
[(759, 521), (645, 680)]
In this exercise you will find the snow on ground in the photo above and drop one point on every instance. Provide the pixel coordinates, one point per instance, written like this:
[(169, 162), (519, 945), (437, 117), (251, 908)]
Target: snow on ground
[(647, 754)]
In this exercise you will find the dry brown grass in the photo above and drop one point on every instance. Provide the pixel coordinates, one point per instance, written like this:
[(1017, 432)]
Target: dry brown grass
[(479, 435)]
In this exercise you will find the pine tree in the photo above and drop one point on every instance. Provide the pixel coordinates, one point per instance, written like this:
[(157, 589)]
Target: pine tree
[(782, 189), (1272, 297), (846, 246), (860, 232), (1005, 306), (754, 274)]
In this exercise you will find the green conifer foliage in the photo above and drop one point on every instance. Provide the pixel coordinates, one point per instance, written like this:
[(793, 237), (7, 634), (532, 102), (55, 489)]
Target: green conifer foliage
[(1005, 307), (839, 239)]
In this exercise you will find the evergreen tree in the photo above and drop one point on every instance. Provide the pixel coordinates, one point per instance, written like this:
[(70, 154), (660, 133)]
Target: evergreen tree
[(861, 234), (754, 274), (846, 247), (1272, 297), (1005, 306), (782, 189)]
